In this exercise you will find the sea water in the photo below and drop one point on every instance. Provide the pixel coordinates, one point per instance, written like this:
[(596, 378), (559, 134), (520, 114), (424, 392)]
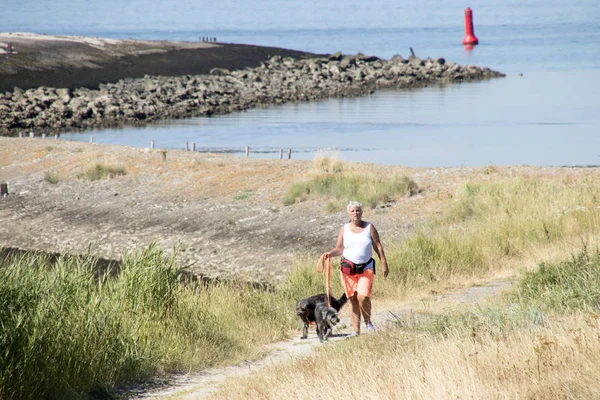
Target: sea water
[(545, 112)]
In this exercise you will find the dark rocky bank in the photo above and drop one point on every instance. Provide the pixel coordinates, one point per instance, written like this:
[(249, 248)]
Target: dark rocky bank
[(201, 82)]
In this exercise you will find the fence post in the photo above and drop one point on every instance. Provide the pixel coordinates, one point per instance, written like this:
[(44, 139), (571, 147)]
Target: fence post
[(193, 146), (31, 134), (187, 148), (247, 151), (289, 154), (92, 139), (281, 154), (152, 144)]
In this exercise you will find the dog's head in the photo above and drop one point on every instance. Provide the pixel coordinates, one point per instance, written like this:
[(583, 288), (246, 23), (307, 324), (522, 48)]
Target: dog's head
[(331, 317), (302, 308)]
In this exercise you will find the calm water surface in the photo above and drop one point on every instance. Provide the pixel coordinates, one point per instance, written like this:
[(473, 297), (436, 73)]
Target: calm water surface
[(549, 115)]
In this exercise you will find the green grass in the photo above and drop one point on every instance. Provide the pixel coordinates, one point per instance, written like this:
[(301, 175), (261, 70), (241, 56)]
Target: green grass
[(368, 190), (51, 177), (244, 195), (491, 221), (99, 171), (67, 330), (573, 284), (570, 286), (340, 184)]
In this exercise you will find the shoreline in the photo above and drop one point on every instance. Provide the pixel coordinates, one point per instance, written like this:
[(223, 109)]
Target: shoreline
[(183, 79)]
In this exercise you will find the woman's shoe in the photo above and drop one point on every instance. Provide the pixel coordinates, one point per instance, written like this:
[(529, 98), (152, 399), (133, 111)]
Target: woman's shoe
[(352, 335), (370, 327)]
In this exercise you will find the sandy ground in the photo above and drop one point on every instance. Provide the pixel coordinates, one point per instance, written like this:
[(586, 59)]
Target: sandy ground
[(225, 214)]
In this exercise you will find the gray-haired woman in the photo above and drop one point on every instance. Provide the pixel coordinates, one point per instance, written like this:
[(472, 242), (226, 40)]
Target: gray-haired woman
[(355, 243)]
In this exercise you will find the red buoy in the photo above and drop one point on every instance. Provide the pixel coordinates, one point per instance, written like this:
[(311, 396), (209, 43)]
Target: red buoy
[(470, 38)]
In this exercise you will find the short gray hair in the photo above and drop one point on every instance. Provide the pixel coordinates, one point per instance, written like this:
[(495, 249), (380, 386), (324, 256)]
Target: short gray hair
[(353, 204)]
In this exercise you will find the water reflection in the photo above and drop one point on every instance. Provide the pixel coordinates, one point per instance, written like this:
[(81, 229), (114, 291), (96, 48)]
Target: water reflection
[(546, 118)]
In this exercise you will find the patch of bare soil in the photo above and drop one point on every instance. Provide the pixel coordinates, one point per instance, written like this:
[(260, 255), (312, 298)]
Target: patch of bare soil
[(223, 214)]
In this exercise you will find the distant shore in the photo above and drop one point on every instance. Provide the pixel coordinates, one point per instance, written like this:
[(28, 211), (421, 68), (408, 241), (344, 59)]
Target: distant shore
[(76, 61)]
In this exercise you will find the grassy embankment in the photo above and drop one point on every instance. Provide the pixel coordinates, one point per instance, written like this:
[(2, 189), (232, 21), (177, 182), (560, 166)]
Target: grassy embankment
[(67, 331), (539, 341)]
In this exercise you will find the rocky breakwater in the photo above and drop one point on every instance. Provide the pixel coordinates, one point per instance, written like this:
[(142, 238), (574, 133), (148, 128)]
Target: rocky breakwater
[(276, 81)]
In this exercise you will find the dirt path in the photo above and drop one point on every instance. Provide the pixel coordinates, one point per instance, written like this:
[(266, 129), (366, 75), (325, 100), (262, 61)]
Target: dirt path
[(201, 385)]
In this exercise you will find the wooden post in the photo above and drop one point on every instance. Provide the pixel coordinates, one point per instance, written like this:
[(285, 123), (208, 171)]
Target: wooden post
[(163, 153), (56, 137), (3, 189), (152, 144), (20, 134), (92, 139), (43, 136), (281, 154), (193, 146), (289, 154), (187, 147), (31, 134), (412, 52), (247, 151)]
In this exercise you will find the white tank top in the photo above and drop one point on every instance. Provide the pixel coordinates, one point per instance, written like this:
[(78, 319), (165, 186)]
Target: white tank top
[(358, 247)]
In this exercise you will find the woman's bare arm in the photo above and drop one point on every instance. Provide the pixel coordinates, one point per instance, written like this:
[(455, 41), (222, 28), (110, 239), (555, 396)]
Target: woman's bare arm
[(339, 246), (378, 247)]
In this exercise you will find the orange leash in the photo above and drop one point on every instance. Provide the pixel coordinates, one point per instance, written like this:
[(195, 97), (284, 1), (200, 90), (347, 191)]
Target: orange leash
[(320, 268)]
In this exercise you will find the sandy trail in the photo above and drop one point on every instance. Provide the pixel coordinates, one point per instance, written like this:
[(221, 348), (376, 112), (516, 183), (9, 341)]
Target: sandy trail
[(201, 385)]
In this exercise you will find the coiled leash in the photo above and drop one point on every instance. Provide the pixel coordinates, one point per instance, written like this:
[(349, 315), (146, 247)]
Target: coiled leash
[(320, 268)]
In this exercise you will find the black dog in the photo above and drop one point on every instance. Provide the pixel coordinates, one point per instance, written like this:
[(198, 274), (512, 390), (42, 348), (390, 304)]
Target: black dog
[(326, 318), (305, 308)]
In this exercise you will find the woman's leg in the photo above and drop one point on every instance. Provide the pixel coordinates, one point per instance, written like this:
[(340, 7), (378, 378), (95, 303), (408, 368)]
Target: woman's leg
[(354, 310), (364, 303), (363, 295)]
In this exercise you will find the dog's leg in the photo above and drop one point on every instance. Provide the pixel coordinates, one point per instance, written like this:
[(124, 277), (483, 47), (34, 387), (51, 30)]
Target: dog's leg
[(304, 328), (320, 332)]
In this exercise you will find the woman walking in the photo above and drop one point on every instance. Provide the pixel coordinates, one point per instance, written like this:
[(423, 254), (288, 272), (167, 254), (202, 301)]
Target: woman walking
[(356, 242)]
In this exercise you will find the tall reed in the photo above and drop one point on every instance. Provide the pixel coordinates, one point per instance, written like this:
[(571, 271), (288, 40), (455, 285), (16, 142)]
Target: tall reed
[(67, 329)]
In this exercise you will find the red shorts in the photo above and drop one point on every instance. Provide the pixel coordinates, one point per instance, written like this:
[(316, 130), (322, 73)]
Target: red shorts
[(359, 283)]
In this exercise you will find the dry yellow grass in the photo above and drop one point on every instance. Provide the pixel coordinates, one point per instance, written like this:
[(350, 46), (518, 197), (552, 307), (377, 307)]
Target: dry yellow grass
[(556, 361)]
